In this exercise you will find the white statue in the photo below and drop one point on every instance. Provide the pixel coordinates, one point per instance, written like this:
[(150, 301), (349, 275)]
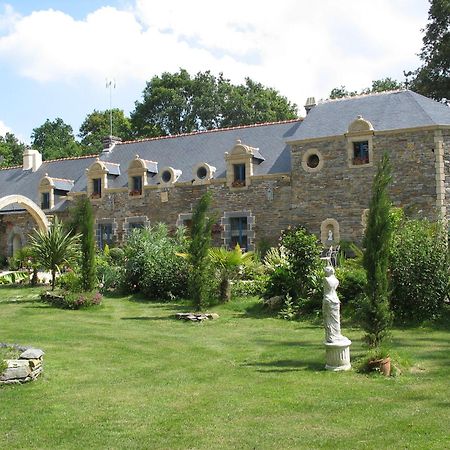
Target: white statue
[(330, 235), (330, 307)]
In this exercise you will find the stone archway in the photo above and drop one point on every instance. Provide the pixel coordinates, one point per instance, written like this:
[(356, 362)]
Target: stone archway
[(36, 212)]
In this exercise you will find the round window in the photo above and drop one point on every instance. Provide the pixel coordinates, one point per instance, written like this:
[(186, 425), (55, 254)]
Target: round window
[(202, 172), (166, 176), (313, 161)]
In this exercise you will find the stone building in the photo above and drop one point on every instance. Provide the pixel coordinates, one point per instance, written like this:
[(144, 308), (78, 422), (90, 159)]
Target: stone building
[(316, 171)]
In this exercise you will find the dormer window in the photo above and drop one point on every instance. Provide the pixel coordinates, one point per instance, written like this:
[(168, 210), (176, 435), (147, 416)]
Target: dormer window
[(45, 200), (136, 188), (166, 176), (203, 173), (169, 176), (360, 152), (241, 161), (52, 190), (239, 175), (359, 143), (96, 188)]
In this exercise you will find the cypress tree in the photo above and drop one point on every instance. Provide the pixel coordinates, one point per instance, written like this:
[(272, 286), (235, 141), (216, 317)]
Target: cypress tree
[(198, 252), (376, 314), (83, 223)]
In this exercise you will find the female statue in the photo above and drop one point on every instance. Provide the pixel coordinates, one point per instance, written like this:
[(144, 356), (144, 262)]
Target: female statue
[(330, 307)]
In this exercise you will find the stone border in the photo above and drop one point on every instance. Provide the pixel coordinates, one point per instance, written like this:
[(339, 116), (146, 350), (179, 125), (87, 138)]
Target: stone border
[(26, 368)]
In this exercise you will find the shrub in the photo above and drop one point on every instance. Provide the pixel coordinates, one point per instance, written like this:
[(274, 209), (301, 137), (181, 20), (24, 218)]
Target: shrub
[(72, 300), (70, 281), (419, 270), (249, 288), (152, 265), (117, 256), (352, 282), (296, 268)]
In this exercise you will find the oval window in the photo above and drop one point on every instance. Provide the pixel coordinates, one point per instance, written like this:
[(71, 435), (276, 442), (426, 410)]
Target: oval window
[(313, 161), (202, 173), (166, 176)]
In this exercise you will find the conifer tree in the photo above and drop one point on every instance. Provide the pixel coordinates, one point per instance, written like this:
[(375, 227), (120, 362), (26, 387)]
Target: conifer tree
[(377, 317), (83, 223), (198, 252)]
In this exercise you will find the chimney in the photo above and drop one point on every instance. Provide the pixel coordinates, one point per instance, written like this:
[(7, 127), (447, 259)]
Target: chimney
[(310, 103), (109, 142), (32, 160)]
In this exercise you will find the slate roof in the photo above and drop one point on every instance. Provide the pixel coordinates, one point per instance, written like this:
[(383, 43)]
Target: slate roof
[(25, 182), (183, 152), (386, 111)]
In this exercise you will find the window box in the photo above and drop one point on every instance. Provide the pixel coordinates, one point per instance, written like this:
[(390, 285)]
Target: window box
[(358, 161), (238, 183), (135, 193), (96, 195)]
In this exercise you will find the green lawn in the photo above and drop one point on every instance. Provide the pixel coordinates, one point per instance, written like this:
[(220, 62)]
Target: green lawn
[(127, 375)]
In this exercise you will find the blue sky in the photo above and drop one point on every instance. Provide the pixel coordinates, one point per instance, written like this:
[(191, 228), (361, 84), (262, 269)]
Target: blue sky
[(56, 55)]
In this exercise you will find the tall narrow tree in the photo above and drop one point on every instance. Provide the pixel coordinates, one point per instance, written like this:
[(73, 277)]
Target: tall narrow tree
[(83, 223), (198, 251), (377, 316)]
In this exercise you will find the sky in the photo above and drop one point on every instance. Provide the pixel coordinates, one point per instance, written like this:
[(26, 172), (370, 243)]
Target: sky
[(56, 55)]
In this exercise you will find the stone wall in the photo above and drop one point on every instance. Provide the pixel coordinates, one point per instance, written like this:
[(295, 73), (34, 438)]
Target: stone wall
[(266, 198), (340, 192)]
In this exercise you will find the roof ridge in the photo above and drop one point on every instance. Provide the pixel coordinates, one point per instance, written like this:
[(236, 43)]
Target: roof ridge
[(11, 167), (369, 94), (215, 130), (70, 158)]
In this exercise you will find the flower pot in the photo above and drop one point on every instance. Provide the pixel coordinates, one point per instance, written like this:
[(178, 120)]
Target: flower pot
[(381, 365)]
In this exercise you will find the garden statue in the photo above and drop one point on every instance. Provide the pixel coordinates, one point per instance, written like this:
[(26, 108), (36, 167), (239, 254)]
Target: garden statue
[(337, 346), (330, 235)]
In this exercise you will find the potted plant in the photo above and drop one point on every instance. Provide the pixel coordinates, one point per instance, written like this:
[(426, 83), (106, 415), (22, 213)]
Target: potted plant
[(379, 360)]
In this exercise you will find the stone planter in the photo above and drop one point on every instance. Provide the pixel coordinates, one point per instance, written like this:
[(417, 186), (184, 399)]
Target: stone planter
[(381, 365), (26, 368)]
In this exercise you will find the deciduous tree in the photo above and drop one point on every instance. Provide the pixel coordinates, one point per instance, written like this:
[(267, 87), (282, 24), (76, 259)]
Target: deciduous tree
[(11, 150)]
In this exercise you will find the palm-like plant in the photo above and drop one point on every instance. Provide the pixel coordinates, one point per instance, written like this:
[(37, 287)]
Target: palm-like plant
[(54, 248), (229, 264)]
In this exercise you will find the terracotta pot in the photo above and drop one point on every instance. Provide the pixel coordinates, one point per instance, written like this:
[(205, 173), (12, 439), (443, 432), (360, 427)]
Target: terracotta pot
[(383, 365)]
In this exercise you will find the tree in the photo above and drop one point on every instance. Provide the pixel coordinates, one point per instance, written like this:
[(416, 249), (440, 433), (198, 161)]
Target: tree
[(381, 85), (96, 126), (198, 252), (11, 150), (229, 263), (55, 139), (54, 248), (83, 223), (178, 103), (376, 314), (432, 79)]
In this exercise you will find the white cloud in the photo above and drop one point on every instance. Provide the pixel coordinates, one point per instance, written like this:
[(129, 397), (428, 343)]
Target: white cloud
[(301, 48), (4, 129)]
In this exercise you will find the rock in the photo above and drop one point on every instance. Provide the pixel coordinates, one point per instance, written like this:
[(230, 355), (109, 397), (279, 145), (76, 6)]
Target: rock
[(14, 373), (32, 353), (274, 303)]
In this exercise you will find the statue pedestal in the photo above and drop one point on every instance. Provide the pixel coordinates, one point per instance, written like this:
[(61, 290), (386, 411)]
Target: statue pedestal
[(338, 355)]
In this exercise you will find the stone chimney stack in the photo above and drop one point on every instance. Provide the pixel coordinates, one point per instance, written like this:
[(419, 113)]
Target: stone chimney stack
[(109, 142), (32, 160), (310, 103)]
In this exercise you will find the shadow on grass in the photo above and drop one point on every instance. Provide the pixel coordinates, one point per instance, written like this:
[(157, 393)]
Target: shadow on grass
[(144, 318), (287, 365), (20, 301)]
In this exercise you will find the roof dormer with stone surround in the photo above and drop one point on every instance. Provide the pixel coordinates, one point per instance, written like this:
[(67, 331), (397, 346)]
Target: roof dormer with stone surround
[(240, 164), (97, 177), (51, 187), (139, 171), (360, 143)]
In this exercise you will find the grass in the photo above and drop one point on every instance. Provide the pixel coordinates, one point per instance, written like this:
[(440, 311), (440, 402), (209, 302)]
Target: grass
[(127, 375)]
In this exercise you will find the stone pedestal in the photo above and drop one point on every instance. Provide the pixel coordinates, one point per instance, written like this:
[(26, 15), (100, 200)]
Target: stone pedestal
[(338, 355)]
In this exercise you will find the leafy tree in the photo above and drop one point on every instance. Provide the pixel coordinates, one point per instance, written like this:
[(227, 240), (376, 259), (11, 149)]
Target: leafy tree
[(381, 85), (179, 103), (376, 314), (432, 79), (55, 139), (54, 248), (229, 263), (96, 126), (11, 150), (83, 223), (198, 252)]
